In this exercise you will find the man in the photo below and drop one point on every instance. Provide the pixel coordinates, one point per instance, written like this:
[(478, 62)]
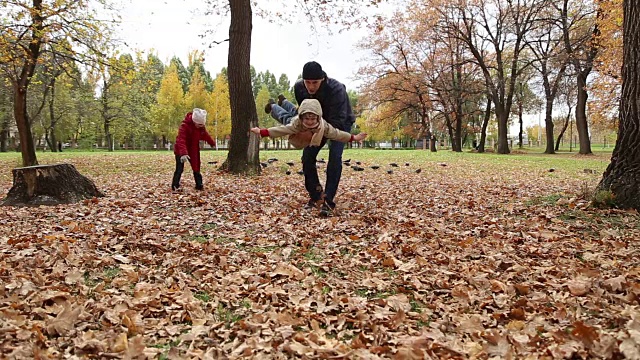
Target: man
[(336, 110)]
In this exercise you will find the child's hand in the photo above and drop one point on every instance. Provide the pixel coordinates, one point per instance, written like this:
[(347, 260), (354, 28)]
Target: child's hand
[(360, 137), (255, 130)]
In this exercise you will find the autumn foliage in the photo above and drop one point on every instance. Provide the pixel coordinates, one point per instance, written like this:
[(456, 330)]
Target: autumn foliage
[(450, 262)]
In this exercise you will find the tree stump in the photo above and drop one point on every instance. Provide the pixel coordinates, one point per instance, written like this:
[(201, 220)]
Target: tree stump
[(49, 185)]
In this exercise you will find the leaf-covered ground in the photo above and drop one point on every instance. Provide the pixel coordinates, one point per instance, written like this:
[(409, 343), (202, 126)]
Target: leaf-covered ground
[(475, 256)]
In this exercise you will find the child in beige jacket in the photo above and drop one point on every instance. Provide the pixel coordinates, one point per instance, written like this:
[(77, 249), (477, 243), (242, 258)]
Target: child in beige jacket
[(308, 128)]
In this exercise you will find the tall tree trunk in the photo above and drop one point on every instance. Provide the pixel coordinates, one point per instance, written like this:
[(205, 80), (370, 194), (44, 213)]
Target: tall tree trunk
[(27, 146), (457, 134), (449, 130), (3, 140), (485, 124), (548, 123), (243, 147), (5, 121), (108, 136), (106, 116), (21, 84), (521, 123), (4, 132), (622, 176), (51, 131), (581, 112), (503, 140), (564, 128)]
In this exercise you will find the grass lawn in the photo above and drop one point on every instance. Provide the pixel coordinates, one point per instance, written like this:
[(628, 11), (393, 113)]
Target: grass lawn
[(473, 256)]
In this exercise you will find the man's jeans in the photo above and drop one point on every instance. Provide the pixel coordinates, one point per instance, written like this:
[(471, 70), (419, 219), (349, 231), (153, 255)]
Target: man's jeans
[(334, 171)]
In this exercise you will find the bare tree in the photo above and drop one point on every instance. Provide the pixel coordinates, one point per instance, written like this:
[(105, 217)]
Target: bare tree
[(550, 61), (580, 32), (495, 32)]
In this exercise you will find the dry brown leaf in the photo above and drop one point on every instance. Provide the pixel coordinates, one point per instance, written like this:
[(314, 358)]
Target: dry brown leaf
[(579, 287), (65, 321)]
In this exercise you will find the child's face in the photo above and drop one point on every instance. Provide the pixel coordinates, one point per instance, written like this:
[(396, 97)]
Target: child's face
[(310, 120)]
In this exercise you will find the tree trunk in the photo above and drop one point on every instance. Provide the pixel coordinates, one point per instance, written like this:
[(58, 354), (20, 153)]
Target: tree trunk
[(49, 185), (457, 135), (21, 84), (581, 113), (449, 130), (622, 176), (564, 128), (485, 124), (503, 141), (548, 122), (4, 134), (24, 128), (244, 147), (51, 139), (5, 101), (521, 123)]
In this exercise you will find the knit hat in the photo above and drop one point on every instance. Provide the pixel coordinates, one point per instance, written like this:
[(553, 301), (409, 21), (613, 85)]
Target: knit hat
[(313, 71), (199, 116)]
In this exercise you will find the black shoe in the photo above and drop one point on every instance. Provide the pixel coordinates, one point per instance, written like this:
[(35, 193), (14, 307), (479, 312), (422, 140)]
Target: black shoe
[(310, 205), (326, 210), (199, 187), (267, 108), (175, 187), (281, 98)]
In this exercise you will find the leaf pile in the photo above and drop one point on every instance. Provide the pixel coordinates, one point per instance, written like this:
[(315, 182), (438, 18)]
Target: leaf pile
[(463, 259)]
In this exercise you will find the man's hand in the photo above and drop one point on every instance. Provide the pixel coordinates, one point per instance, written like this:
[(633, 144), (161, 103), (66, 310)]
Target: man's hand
[(360, 137), (255, 130), (184, 158)]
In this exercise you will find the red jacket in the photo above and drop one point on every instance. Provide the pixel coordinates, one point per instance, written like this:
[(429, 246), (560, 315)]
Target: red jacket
[(188, 141)]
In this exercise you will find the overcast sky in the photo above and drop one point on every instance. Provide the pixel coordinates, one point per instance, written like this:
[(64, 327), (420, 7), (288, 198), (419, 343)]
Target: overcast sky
[(172, 28)]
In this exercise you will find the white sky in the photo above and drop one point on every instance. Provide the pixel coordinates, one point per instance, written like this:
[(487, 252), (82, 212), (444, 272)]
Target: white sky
[(169, 27)]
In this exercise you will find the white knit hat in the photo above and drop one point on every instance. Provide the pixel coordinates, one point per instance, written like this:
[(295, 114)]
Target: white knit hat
[(199, 116)]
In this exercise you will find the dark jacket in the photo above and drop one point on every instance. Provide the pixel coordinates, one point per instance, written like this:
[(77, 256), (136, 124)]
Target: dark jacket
[(332, 94), (188, 141)]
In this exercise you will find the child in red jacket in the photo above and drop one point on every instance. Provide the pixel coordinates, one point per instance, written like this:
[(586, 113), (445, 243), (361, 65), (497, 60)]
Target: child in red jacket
[(187, 147)]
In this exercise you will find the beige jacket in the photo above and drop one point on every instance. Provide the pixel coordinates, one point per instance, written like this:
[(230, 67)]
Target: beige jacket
[(324, 129)]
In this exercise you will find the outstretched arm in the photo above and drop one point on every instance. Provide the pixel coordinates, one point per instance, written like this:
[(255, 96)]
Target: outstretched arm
[(261, 132), (332, 133)]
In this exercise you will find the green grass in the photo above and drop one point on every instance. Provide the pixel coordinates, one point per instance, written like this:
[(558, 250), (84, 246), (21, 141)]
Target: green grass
[(311, 255), (228, 316), (202, 296), (224, 240), (153, 162), (317, 271), (209, 226), (200, 239), (111, 272), (546, 200)]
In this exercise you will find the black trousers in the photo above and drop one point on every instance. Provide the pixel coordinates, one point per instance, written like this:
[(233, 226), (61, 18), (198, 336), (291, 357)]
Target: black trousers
[(175, 184)]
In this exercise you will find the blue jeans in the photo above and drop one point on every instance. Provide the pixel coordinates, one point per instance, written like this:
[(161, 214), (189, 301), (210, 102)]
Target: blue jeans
[(284, 113), (334, 171)]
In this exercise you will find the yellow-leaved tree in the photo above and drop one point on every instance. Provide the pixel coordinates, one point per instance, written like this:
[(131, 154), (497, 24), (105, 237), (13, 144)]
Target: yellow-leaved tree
[(169, 110), (378, 125), (197, 96), (220, 108)]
